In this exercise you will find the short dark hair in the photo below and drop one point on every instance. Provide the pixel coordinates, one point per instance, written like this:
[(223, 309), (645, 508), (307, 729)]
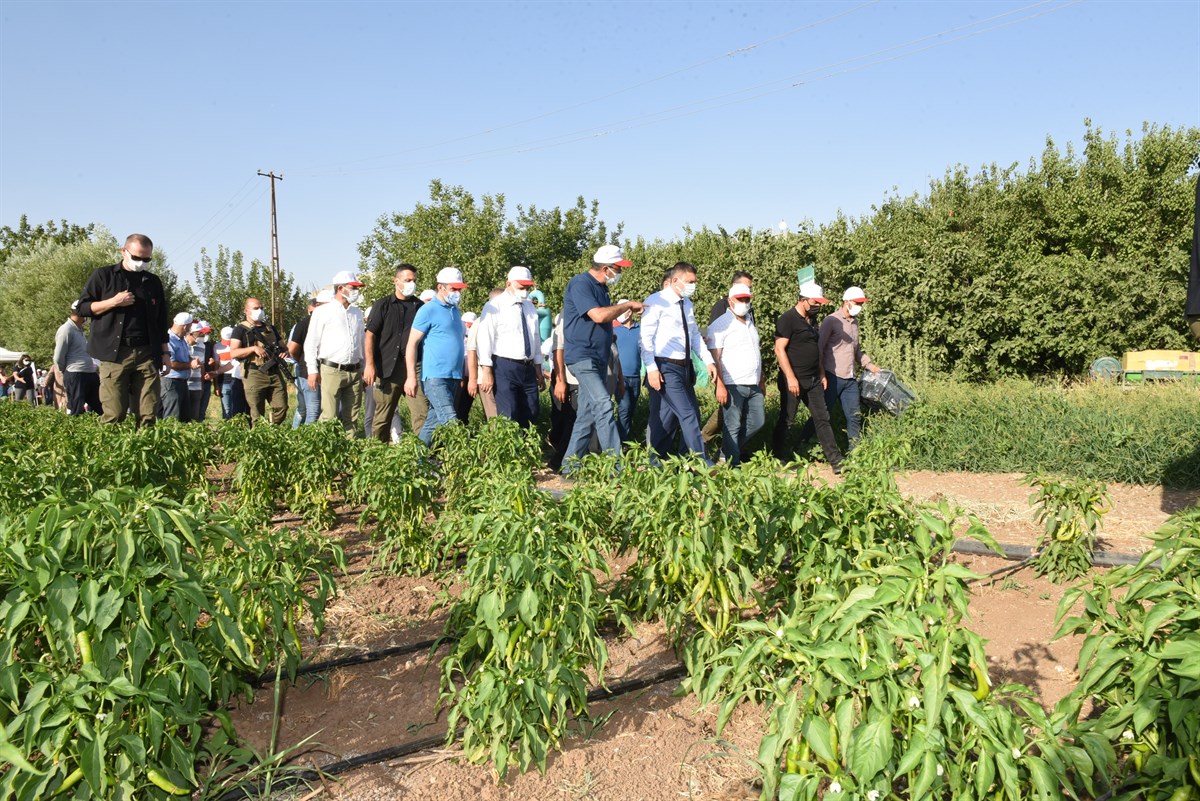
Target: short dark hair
[(141, 239), (740, 274), (679, 268), (404, 266)]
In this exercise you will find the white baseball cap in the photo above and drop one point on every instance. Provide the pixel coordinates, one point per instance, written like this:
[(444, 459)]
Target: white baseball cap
[(183, 318), (346, 277), (611, 254), (521, 275), (325, 296), (451, 276), (227, 332), (469, 317), (855, 294), (427, 295), (739, 291), (812, 291)]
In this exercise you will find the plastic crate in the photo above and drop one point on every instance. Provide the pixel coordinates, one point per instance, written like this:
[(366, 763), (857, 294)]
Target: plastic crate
[(884, 390)]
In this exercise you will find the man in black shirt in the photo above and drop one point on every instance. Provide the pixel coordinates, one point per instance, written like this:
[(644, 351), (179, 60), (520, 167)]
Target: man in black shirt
[(129, 331), (802, 376), (389, 323), (257, 343)]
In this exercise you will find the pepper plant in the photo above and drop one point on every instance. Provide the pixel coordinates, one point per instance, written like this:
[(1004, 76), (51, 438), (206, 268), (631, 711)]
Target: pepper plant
[(1071, 510)]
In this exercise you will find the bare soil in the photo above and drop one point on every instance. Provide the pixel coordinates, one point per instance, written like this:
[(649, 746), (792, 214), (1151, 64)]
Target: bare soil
[(656, 745)]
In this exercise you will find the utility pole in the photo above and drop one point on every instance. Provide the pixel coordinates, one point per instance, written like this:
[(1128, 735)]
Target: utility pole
[(276, 301)]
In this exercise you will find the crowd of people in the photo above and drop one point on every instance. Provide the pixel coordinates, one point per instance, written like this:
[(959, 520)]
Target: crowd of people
[(595, 358)]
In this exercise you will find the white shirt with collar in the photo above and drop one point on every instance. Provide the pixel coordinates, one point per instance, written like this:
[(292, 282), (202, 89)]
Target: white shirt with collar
[(500, 334), (741, 359), (662, 330), (335, 334)]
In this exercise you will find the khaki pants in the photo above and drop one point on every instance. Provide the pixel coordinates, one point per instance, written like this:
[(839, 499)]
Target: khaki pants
[(263, 389), (1194, 326), (388, 392), (131, 381), (341, 396)]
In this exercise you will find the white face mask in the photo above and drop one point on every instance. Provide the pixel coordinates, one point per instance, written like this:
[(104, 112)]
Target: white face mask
[(688, 290), (202, 338), (522, 293), (613, 278), (258, 315), (624, 318), (739, 308), (137, 265), (854, 310), (408, 289), (351, 295), (453, 298)]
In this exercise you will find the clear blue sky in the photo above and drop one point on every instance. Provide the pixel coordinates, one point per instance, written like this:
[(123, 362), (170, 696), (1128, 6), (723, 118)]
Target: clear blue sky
[(154, 117)]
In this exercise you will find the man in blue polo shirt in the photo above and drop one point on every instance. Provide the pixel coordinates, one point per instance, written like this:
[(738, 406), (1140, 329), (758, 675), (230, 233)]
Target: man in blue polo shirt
[(587, 338), (439, 326)]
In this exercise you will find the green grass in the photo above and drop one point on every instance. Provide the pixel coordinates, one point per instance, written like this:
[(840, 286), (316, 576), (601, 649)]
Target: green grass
[(1137, 435)]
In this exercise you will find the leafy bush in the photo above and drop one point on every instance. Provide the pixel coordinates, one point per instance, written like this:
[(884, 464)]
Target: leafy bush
[(1143, 435)]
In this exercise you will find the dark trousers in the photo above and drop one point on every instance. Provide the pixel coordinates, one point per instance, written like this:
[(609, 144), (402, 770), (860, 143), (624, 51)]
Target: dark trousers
[(562, 423), (516, 391), (674, 408), (83, 392), (813, 396), (175, 401)]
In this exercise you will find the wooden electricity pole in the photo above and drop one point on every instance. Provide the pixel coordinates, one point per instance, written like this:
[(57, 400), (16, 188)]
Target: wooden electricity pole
[(276, 301)]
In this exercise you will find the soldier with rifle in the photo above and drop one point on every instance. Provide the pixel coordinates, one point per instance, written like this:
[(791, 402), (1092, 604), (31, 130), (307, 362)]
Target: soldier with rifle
[(262, 351)]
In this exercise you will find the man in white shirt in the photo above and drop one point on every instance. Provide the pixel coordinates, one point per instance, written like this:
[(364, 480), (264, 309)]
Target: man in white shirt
[(734, 344), (333, 352), (669, 337), (509, 349)]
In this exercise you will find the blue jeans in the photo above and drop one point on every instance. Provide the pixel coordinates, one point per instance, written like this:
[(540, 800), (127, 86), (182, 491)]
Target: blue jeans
[(516, 391), (595, 412), (308, 403), (175, 400), (743, 418), (626, 406), (842, 391), (674, 408), (233, 398), (440, 392)]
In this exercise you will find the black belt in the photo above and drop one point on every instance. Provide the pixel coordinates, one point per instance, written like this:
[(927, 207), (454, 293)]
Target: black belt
[(345, 368), (676, 362), (135, 342), (526, 362)]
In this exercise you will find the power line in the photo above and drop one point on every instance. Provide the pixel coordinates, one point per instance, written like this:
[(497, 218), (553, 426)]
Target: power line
[(192, 238), (722, 100), (679, 71)]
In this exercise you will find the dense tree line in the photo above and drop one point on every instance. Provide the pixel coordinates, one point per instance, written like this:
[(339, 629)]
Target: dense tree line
[(1001, 271)]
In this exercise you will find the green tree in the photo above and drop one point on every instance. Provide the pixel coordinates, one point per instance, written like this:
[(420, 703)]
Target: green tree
[(451, 230), (224, 283), (41, 279), (26, 236)]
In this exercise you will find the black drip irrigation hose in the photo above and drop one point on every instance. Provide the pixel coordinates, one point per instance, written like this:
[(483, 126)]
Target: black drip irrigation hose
[(355, 659), (292, 778), (1024, 553)]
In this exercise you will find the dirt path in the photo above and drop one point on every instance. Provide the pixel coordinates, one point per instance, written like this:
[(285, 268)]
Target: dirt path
[(655, 746)]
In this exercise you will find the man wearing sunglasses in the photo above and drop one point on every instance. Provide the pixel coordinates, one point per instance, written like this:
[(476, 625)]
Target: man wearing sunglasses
[(129, 331)]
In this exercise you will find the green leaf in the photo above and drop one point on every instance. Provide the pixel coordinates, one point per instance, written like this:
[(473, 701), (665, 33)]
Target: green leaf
[(527, 607), (1158, 614), (816, 733), (871, 749), (11, 754)]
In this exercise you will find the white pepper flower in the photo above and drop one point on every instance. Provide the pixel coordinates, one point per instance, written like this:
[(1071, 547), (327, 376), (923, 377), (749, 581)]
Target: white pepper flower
[(1127, 735), (872, 795), (940, 769), (834, 787)]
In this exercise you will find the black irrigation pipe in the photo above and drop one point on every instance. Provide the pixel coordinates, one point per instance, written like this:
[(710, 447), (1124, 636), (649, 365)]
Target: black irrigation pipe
[(355, 659), (1024, 553), (292, 778)]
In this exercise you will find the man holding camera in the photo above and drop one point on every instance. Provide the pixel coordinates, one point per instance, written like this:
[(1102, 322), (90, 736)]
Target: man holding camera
[(258, 344)]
